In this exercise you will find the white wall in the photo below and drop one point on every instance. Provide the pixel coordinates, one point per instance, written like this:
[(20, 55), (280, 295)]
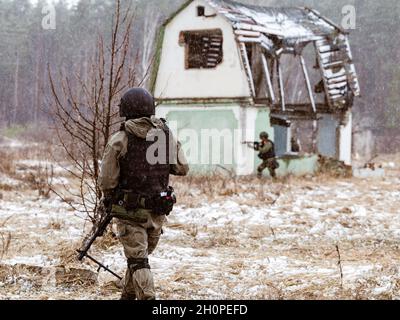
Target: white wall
[(345, 140), (227, 80), (363, 144), (245, 156)]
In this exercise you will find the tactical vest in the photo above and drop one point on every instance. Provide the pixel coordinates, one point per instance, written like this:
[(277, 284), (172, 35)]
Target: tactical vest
[(137, 174), (270, 154)]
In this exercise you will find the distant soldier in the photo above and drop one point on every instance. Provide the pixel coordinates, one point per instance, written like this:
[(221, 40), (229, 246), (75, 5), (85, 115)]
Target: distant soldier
[(266, 149), (138, 188)]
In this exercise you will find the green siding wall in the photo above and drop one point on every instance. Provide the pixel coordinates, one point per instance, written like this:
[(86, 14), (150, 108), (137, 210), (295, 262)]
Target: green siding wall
[(298, 166), (199, 121), (197, 118)]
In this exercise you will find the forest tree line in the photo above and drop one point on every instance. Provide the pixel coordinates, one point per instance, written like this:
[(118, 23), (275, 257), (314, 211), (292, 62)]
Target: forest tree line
[(28, 53)]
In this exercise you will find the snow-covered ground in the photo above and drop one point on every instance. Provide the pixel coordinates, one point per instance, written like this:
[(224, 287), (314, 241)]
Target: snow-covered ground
[(244, 239)]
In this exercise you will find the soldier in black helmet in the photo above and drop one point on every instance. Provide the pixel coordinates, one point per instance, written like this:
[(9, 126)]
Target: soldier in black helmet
[(136, 183), (266, 152)]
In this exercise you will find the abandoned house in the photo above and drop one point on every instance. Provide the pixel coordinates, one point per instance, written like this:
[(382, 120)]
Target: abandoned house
[(223, 65)]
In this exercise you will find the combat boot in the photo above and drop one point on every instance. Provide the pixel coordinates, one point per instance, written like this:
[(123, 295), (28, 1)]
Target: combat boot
[(127, 296)]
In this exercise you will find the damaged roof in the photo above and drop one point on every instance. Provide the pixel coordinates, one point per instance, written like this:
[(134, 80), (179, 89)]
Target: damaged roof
[(285, 23), (280, 30)]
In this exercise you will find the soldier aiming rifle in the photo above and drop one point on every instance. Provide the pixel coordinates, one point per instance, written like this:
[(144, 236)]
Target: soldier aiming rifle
[(266, 152)]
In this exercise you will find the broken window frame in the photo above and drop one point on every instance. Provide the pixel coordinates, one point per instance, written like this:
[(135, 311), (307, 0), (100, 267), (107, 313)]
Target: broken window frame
[(214, 55), (201, 11)]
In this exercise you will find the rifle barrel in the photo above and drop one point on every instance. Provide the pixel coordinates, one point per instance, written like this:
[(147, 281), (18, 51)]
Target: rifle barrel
[(102, 266)]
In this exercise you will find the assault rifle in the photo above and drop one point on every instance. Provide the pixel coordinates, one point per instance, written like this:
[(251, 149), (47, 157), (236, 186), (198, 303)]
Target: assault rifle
[(252, 144), (97, 231)]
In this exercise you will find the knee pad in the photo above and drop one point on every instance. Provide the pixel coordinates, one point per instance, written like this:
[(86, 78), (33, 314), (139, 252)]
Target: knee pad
[(135, 264)]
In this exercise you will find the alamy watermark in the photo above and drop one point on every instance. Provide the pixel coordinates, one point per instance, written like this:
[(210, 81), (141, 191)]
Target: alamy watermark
[(201, 147), (49, 17), (349, 17)]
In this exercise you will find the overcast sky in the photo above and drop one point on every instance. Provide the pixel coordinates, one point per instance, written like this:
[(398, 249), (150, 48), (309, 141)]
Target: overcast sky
[(71, 2)]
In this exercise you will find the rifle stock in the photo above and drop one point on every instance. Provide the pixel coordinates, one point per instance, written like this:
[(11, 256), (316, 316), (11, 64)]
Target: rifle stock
[(99, 231)]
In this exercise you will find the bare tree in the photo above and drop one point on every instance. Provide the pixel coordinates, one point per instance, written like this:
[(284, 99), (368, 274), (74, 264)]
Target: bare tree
[(16, 88), (38, 80), (85, 108), (150, 27)]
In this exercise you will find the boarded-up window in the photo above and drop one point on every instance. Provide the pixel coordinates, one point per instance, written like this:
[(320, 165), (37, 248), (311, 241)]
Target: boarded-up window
[(203, 49)]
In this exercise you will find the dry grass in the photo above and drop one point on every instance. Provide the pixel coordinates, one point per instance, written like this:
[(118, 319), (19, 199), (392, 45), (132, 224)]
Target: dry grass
[(6, 187), (30, 277), (7, 164), (40, 179), (193, 191), (36, 177), (68, 254), (73, 277), (222, 237), (55, 224), (237, 252), (107, 241), (5, 239), (5, 244)]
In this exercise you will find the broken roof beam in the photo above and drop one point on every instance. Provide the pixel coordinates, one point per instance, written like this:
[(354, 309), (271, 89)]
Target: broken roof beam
[(280, 82), (254, 27), (320, 16), (248, 68), (275, 32), (248, 33), (307, 78), (321, 47), (268, 77), (353, 79), (262, 40)]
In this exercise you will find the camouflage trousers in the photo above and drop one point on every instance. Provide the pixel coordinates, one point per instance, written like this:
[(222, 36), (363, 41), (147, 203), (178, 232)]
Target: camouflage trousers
[(271, 164), (139, 239)]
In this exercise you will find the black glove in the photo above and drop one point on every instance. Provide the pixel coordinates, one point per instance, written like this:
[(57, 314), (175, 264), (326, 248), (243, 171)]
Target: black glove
[(108, 199)]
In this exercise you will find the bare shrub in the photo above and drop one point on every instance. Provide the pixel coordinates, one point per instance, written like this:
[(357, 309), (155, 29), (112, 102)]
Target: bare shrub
[(334, 168), (40, 179), (192, 230), (222, 236), (55, 224), (85, 108)]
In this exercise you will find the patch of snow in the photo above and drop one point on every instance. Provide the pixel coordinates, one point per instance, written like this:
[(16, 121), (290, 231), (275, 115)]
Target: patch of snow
[(37, 260), (359, 211), (6, 180), (356, 271), (386, 286), (10, 143)]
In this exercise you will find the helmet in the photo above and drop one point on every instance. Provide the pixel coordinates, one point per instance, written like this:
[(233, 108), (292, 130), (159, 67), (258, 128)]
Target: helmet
[(136, 103), (264, 135)]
